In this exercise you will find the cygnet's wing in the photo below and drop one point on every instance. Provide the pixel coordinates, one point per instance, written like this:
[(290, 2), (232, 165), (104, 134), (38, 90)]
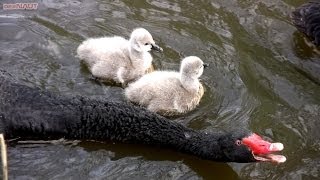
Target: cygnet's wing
[(103, 49), (158, 79), (156, 85)]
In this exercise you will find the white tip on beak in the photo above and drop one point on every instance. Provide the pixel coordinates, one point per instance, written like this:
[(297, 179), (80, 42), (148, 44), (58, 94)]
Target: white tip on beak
[(276, 147)]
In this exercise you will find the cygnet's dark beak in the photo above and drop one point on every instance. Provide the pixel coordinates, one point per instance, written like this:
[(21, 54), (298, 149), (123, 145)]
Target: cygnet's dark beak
[(156, 48), (205, 65)]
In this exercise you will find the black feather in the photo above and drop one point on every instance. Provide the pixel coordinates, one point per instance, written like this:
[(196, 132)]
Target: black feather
[(307, 20)]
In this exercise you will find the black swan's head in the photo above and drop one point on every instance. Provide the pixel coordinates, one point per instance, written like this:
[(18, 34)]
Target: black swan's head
[(249, 147)]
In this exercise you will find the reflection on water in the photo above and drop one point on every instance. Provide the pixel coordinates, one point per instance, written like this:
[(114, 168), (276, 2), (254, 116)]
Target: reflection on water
[(78, 163), (263, 76)]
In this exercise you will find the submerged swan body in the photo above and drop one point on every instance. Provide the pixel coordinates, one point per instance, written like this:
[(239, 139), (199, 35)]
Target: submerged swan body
[(307, 20), (118, 59), (30, 113), (169, 93)]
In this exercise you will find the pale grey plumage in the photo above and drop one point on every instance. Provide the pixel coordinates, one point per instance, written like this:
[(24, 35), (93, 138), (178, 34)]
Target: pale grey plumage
[(169, 93), (118, 59)]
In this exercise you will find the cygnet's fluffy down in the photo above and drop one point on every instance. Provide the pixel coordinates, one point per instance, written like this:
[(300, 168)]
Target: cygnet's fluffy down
[(169, 93), (118, 59)]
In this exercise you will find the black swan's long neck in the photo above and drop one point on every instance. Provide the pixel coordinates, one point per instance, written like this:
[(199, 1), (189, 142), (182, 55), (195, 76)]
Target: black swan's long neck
[(122, 122), (32, 113)]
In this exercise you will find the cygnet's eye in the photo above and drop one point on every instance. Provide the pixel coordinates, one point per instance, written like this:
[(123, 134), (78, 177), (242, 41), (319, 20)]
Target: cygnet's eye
[(146, 44), (205, 65)]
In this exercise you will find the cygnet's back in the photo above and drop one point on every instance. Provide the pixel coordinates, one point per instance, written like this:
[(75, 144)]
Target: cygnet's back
[(118, 59), (94, 50), (169, 93)]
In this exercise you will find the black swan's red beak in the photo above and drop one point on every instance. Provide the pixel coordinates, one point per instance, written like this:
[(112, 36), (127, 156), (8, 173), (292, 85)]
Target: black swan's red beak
[(262, 150)]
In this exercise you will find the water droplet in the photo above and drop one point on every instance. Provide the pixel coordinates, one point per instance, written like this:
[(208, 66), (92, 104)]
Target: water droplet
[(187, 135)]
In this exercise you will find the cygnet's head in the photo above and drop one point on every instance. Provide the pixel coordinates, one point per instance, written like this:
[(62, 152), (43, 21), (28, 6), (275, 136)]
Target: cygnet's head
[(141, 40), (192, 67)]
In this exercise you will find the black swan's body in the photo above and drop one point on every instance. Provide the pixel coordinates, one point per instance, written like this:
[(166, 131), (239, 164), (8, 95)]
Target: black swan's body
[(32, 113), (307, 20)]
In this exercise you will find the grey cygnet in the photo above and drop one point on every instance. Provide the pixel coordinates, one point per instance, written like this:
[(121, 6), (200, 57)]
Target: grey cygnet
[(118, 59), (169, 93)]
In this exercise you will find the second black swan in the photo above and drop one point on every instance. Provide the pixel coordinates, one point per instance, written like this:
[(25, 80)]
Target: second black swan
[(32, 113), (307, 20)]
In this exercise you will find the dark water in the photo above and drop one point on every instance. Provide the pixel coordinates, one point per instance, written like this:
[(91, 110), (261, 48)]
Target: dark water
[(263, 76)]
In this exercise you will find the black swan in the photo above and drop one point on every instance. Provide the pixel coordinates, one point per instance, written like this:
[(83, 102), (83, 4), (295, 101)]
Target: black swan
[(31, 113), (307, 20)]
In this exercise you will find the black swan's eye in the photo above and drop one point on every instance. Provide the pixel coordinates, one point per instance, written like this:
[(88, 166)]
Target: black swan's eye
[(238, 142)]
